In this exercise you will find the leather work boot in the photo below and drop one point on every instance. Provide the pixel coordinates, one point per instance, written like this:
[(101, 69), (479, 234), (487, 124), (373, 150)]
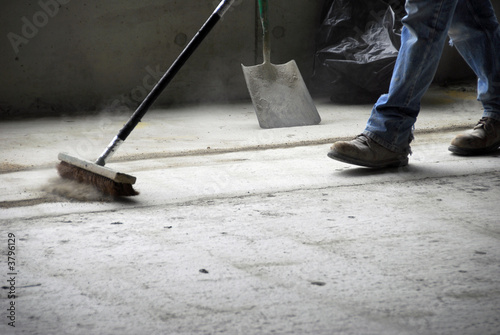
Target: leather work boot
[(484, 138), (366, 152)]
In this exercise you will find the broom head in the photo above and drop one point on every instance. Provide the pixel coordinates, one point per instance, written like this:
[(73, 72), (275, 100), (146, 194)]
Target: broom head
[(102, 178)]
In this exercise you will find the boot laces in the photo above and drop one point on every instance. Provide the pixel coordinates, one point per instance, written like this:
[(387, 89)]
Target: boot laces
[(485, 123), (363, 140), (481, 123)]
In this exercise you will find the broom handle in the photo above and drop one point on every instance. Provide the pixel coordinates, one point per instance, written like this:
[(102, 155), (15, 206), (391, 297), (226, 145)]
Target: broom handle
[(164, 81), (266, 38)]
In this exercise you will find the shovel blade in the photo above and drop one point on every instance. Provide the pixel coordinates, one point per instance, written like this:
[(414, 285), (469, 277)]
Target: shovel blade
[(280, 96)]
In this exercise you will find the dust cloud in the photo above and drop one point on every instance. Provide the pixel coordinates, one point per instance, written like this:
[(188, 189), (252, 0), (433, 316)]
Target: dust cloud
[(72, 190)]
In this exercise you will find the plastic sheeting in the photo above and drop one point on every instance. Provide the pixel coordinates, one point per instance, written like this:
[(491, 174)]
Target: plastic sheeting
[(357, 46)]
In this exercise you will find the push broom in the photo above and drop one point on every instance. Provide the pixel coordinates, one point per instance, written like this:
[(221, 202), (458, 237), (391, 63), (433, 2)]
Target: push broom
[(105, 179)]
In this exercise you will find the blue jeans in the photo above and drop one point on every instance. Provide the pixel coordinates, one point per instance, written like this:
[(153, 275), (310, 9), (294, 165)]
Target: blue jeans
[(473, 30)]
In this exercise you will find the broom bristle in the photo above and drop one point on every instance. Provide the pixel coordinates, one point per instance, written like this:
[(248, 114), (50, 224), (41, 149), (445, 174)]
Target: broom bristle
[(101, 183)]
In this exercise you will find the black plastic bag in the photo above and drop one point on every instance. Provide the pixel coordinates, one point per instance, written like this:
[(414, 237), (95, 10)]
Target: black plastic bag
[(357, 47)]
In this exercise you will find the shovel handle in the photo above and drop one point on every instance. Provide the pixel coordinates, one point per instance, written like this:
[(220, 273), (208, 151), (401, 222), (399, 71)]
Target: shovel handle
[(266, 38)]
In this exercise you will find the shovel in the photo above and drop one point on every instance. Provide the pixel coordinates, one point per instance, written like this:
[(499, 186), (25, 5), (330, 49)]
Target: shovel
[(279, 94)]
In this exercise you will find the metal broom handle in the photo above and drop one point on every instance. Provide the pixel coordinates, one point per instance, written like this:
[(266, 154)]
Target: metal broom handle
[(221, 9)]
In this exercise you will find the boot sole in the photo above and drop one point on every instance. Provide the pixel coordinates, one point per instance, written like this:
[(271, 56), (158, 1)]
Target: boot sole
[(473, 152), (375, 165)]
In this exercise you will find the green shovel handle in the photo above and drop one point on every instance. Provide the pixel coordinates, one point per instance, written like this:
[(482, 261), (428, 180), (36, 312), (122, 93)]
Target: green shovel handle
[(266, 38)]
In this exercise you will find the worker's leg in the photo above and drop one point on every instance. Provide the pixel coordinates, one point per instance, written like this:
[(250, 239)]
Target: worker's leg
[(476, 35), (423, 37)]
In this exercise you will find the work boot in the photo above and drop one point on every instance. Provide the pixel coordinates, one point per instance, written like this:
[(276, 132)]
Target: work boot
[(366, 152), (484, 138)]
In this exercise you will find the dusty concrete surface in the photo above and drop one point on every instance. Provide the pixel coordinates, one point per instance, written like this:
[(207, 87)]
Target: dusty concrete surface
[(259, 234)]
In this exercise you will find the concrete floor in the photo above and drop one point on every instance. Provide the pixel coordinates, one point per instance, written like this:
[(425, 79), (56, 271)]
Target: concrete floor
[(240, 230)]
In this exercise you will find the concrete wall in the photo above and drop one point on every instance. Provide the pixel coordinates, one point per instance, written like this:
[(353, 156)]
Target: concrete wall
[(89, 53), (67, 56), (85, 55)]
